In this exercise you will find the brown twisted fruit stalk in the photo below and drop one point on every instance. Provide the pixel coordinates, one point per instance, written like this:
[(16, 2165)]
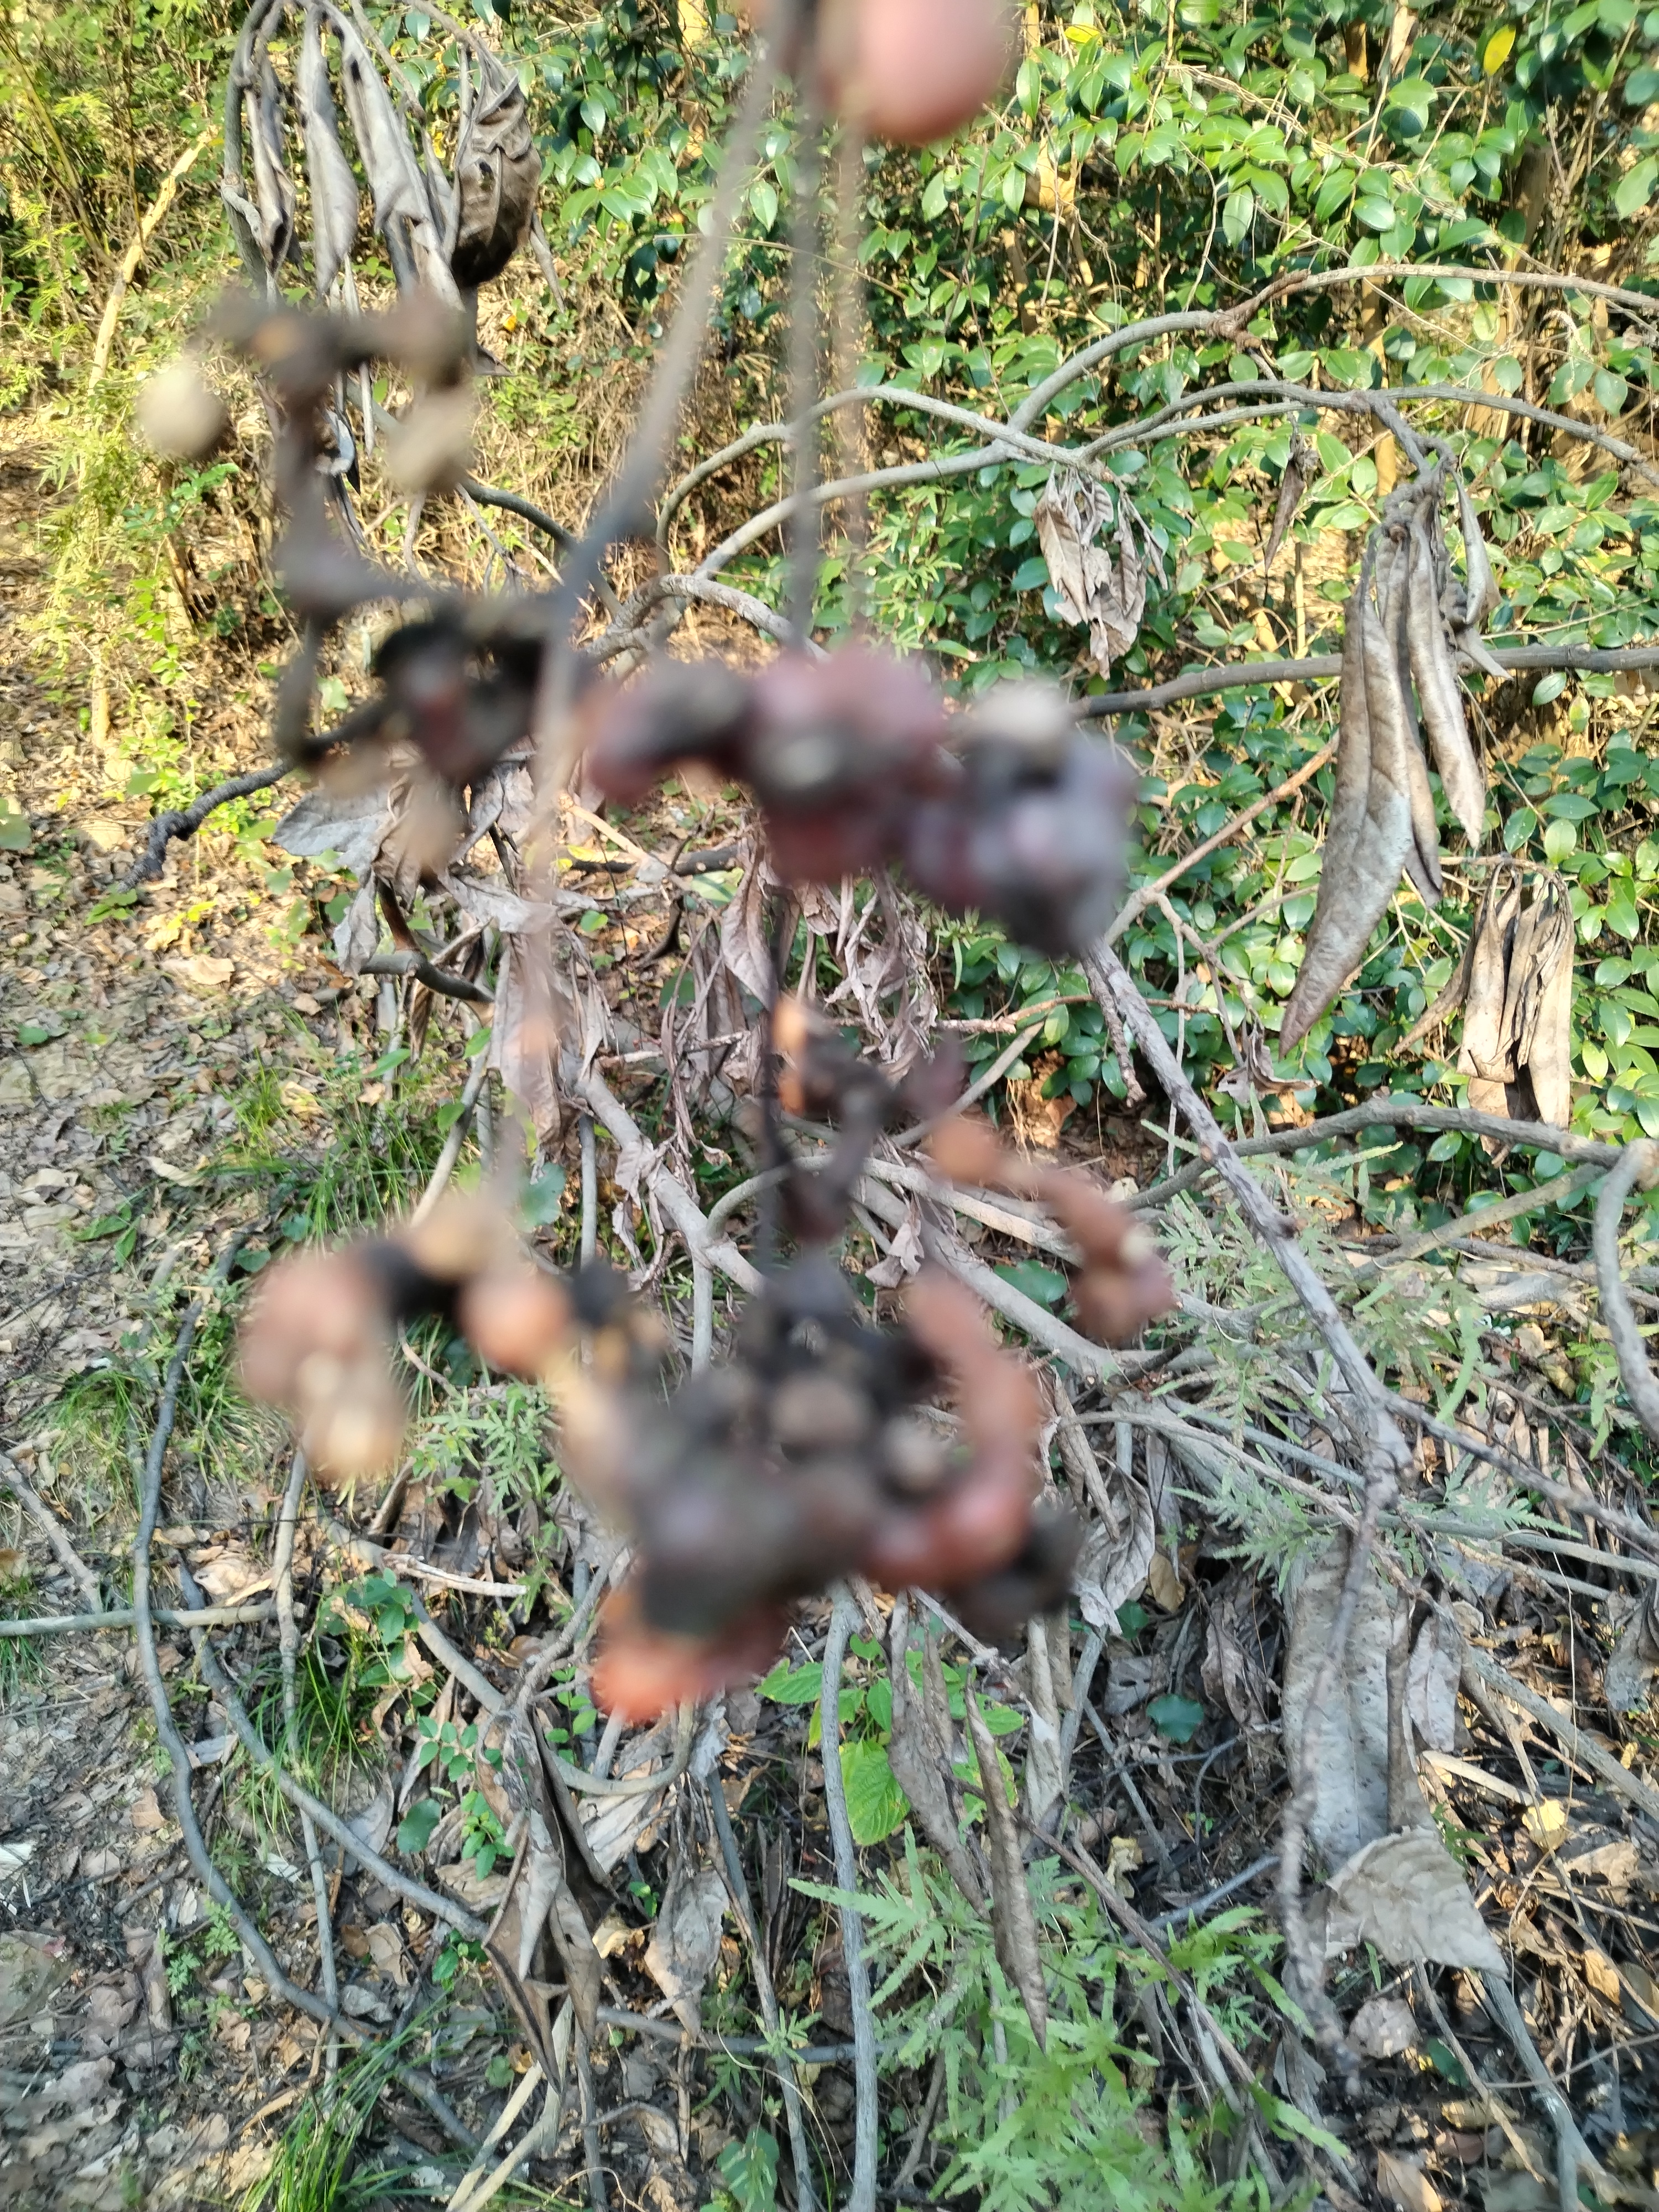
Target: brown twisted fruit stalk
[(807, 1458), (1011, 811), (319, 1337), (1120, 1282)]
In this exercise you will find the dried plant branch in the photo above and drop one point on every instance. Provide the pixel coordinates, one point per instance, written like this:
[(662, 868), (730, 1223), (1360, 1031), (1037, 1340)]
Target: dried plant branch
[(1386, 1456), (207, 1616), (1639, 1164), (1388, 1110), (289, 1646), (12, 1478), (862, 2196)]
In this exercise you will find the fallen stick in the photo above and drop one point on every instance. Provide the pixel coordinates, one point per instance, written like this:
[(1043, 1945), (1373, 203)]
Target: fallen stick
[(176, 822), (207, 1616), (862, 2196), (13, 1479)]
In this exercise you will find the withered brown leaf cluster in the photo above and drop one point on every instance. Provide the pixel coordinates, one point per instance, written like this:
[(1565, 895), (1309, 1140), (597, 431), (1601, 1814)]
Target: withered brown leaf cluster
[(1399, 686)]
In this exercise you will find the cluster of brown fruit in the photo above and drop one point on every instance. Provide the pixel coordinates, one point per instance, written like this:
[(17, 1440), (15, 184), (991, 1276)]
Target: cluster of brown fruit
[(1009, 810)]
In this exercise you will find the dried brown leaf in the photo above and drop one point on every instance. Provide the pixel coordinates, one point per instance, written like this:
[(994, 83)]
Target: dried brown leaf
[(1404, 1894), (333, 186), (685, 1940), (1351, 1766), (1437, 690)]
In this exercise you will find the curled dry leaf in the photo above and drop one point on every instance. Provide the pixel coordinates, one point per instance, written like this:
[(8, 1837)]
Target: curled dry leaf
[(273, 188), (1404, 1894), (328, 173), (1351, 1758), (1365, 843), (1106, 595), (498, 171), (1393, 587), (1013, 1925), (685, 1941)]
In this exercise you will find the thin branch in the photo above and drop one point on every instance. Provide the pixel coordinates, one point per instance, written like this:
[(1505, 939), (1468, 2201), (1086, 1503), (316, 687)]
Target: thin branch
[(1390, 1110), (1639, 1164), (862, 2196), (207, 1616), (1385, 1455), (1136, 903), (1204, 683), (12, 1478), (282, 1564), (450, 1156), (176, 823)]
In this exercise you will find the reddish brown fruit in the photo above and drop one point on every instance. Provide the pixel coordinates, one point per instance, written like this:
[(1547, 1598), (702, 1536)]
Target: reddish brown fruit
[(515, 1321), (923, 68), (642, 1671)]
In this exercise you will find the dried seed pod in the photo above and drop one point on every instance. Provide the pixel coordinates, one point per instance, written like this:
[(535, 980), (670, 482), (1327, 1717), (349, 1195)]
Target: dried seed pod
[(333, 186), (1483, 1054), (1355, 882), (1481, 597), (1422, 860), (1396, 757), (1300, 470), (1437, 690), (1549, 1056)]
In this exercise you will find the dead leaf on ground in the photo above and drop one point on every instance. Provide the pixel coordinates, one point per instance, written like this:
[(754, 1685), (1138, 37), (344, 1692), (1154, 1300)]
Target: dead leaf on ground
[(686, 1942), (145, 1813), (1383, 2028), (31, 1968), (1404, 1894), (1351, 1766), (1404, 2183)]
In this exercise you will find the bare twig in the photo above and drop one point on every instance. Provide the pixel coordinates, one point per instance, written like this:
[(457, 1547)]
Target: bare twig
[(1385, 1452), (289, 1633), (1387, 1110), (416, 964), (12, 1478), (1205, 683), (1639, 1164), (207, 1616), (862, 2196), (137, 246), (176, 823), (450, 1156), (765, 1991)]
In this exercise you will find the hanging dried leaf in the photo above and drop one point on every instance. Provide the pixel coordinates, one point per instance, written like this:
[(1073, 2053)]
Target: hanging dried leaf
[(1383, 2028), (1107, 596), (1549, 1055), (497, 173), (1013, 1925), (1437, 690), (402, 208), (1481, 597), (1300, 470), (1404, 1894), (1371, 827), (333, 186), (1484, 1053), (1351, 1764), (273, 188)]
